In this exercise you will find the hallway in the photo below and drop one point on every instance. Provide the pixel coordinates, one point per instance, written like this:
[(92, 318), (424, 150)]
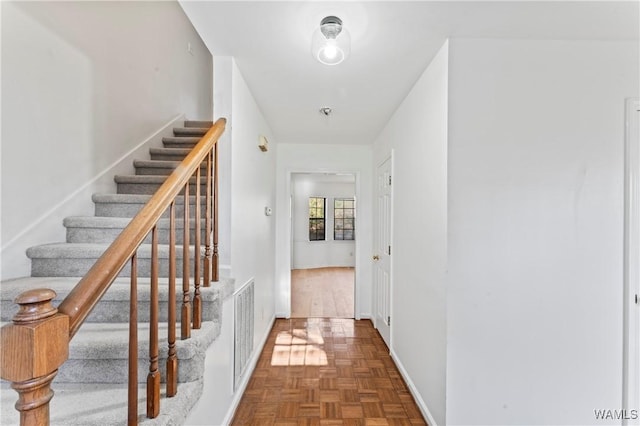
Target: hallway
[(321, 371)]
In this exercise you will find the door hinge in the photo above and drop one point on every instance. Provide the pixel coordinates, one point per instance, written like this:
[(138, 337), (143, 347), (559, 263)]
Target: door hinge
[(389, 180), (389, 250), (636, 299), (389, 321)]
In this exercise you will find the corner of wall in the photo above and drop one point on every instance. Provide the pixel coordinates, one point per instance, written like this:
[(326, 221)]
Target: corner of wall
[(414, 391)]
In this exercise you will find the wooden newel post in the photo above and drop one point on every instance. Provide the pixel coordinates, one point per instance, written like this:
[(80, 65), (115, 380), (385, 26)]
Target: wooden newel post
[(31, 350)]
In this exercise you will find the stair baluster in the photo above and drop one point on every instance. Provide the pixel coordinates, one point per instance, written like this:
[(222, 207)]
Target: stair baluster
[(197, 300), (153, 378), (216, 272), (207, 227), (132, 400), (185, 325), (172, 359)]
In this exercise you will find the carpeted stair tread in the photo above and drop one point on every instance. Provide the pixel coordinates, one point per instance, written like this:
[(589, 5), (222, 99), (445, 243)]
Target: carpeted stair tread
[(155, 179), (128, 205), (99, 353), (160, 167), (170, 154), (95, 222), (121, 198), (149, 184), (114, 305), (104, 404), (116, 222), (111, 340), (156, 164), (101, 230), (88, 250), (180, 141), (134, 198), (76, 259), (198, 123), (170, 151), (119, 290), (190, 131)]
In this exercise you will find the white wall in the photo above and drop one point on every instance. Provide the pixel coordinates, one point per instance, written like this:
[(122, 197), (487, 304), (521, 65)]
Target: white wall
[(222, 107), (295, 158), (535, 229), (82, 84), (417, 133), (217, 393), (251, 187), (318, 254), (253, 177)]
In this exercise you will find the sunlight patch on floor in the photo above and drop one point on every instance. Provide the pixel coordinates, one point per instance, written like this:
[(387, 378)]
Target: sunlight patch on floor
[(299, 347)]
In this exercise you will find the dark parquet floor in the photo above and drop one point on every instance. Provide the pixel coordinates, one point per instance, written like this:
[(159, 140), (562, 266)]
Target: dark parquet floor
[(319, 371)]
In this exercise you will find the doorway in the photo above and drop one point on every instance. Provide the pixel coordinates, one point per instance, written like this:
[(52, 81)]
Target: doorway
[(323, 244)]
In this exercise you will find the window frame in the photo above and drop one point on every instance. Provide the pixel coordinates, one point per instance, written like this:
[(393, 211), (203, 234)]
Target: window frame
[(315, 219), (339, 234)]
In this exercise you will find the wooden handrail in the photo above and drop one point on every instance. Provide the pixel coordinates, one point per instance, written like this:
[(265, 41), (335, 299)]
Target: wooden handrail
[(86, 294)]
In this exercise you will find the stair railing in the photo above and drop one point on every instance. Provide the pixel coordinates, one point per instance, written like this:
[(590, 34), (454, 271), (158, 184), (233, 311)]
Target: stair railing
[(36, 344)]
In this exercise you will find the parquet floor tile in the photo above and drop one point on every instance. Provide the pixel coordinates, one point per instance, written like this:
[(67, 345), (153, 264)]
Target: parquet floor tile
[(319, 371)]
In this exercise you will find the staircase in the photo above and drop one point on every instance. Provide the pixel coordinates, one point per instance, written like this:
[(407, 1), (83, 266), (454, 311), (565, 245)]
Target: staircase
[(91, 387)]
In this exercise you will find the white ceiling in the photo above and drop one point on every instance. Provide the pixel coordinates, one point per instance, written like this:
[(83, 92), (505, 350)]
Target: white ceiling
[(391, 44)]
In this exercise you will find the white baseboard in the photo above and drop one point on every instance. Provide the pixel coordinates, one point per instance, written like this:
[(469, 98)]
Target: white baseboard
[(247, 375), (414, 392)]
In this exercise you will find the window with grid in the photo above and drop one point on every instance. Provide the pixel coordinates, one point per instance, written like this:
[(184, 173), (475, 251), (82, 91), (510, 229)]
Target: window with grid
[(316, 218), (344, 219)]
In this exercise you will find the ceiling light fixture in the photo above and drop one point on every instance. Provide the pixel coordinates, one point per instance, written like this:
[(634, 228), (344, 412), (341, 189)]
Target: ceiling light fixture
[(331, 43)]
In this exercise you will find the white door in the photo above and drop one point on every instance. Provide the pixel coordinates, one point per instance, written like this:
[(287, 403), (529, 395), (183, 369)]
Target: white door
[(382, 251), (631, 375)]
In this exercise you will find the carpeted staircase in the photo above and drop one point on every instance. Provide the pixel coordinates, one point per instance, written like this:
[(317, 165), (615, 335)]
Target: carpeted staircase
[(91, 388)]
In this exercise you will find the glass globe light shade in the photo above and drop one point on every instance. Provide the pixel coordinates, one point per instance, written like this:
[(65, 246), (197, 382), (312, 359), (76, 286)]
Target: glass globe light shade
[(331, 42)]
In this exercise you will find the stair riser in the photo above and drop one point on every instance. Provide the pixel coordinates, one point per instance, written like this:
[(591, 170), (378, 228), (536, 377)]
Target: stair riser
[(168, 156), (130, 210), (164, 171), (151, 188), (108, 235), (189, 131), (178, 144), (118, 311), (63, 267)]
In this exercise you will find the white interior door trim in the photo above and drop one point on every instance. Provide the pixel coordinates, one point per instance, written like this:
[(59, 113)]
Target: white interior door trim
[(631, 351), (382, 253), (289, 235)]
